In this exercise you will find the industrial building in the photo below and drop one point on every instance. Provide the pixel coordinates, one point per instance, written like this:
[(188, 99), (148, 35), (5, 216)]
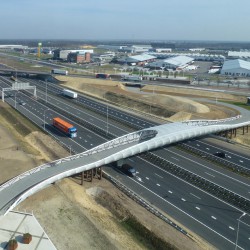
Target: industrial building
[(171, 63), (239, 54), (236, 67), (79, 57), (63, 54), (127, 48), (195, 56), (141, 60)]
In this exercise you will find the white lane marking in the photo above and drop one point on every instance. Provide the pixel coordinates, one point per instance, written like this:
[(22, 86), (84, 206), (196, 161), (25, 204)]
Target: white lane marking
[(175, 158), (249, 238), (231, 228), (131, 160), (147, 178), (196, 196), (183, 199), (203, 224), (197, 208), (241, 161), (213, 217), (211, 169), (80, 137), (139, 179), (159, 175), (170, 191), (207, 148), (209, 174), (198, 145), (224, 150), (158, 185), (89, 136), (229, 156)]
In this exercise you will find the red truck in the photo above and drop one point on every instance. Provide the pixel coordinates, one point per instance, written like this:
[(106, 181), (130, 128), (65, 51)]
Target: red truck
[(65, 127)]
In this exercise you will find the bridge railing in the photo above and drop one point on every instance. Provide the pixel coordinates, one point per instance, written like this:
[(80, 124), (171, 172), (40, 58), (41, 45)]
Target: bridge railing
[(111, 144), (210, 122), (135, 136)]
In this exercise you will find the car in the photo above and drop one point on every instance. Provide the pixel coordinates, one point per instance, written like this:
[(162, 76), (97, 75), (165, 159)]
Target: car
[(129, 170), (22, 103), (220, 154)]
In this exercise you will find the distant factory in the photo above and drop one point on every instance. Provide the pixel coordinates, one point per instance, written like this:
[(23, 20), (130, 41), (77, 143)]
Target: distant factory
[(140, 60), (76, 56), (195, 56), (236, 68), (178, 62)]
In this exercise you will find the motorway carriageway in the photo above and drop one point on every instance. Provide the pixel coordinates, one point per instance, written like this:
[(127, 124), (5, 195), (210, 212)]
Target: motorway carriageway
[(194, 164), (208, 210), (236, 158)]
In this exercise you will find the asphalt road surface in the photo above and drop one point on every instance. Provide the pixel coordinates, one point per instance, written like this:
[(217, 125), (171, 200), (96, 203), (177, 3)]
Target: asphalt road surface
[(206, 215)]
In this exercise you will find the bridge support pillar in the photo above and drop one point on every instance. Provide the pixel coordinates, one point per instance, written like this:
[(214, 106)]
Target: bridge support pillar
[(100, 173)]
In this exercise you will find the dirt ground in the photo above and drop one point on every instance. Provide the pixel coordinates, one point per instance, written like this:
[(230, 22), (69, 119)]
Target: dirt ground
[(176, 100), (173, 99), (72, 215)]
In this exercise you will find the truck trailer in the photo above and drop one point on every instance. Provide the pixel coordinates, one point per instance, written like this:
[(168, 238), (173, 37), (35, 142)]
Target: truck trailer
[(131, 78), (65, 127), (59, 71), (69, 93)]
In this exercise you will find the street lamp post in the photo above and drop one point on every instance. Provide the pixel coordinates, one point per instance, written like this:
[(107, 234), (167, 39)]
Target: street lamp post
[(238, 227), (107, 120), (44, 118), (46, 90)]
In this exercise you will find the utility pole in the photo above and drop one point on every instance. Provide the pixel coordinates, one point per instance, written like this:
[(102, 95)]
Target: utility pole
[(107, 120)]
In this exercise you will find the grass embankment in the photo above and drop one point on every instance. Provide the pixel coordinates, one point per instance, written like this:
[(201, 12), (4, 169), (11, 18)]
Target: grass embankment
[(18, 125), (239, 104), (131, 224)]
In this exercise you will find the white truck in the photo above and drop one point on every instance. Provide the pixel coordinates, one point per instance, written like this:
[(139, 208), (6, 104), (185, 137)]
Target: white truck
[(69, 93), (59, 72), (131, 78)]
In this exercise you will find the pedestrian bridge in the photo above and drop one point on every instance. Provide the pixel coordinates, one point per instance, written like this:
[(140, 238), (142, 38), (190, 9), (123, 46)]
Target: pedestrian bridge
[(20, 187)]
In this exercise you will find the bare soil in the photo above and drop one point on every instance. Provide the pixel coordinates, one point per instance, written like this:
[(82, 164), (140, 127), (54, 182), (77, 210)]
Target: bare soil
[(93, 216), (165, 102)]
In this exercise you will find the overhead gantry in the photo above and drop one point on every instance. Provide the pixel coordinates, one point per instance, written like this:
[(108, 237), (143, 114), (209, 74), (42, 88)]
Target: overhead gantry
[(20, 187)]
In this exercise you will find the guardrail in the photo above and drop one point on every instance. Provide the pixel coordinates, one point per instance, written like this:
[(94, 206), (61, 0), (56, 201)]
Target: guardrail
[(200, 182), (210, 122), (225, 163), (144, 204)]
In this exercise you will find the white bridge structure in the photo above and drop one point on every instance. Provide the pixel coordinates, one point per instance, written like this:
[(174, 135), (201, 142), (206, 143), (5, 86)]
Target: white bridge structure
[(20, 187)]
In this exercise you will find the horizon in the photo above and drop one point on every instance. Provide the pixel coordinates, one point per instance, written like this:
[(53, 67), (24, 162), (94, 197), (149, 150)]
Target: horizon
[(130, 20)]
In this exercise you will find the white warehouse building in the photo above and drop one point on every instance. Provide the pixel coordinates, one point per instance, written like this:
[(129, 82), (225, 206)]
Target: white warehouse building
[(236, 67), (172, 63)]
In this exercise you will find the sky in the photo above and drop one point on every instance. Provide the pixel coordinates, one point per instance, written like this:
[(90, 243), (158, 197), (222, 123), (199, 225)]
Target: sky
[(213, 20)]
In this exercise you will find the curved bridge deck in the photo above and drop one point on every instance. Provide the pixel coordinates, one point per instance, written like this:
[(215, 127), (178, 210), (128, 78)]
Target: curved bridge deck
[(19, 188)]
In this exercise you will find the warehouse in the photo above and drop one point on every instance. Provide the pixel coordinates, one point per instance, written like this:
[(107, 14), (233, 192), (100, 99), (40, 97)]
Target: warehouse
[(236, 67), (172, 63), (63, 54), (141, 60), (239, 54)]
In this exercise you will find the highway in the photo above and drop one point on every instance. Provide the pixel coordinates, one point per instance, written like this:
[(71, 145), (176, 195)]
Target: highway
[(152, 181)]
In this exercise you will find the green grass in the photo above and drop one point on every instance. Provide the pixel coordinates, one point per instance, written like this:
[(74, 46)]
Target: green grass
[(239, 104)]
